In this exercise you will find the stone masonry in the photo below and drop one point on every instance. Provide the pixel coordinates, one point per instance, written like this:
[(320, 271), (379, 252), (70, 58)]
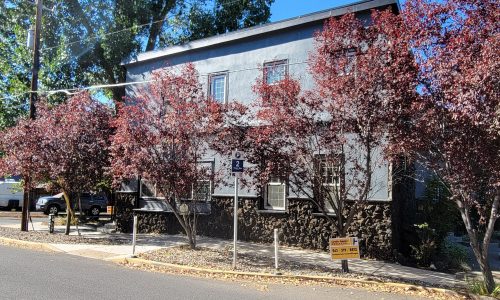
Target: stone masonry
[(300, 225)]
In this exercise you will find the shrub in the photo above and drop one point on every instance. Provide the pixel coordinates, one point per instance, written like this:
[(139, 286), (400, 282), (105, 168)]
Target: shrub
[(451, 257), (479, 288), (425, 250), (438, 210)]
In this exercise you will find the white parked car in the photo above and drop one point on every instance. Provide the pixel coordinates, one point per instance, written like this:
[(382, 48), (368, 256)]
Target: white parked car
[(11, 194)]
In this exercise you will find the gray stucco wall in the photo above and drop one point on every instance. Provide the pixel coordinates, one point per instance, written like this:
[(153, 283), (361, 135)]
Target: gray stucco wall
[(243, 60)]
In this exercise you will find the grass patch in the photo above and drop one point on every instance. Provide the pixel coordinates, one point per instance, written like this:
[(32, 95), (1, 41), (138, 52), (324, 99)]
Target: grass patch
[(479, 288)]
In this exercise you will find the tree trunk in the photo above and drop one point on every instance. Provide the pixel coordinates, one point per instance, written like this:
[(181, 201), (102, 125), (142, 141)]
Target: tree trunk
[(481, 253), (68, 212), (192, 242), (68, 221), (189, 232), (489, 281), (155, 29), (344, 262)]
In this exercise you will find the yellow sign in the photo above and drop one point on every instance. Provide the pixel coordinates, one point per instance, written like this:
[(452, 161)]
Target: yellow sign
[(344, 248), (110, 209), (341, 242)]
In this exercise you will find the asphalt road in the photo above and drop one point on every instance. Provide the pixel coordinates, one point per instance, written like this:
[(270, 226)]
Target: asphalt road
[(26, 274)]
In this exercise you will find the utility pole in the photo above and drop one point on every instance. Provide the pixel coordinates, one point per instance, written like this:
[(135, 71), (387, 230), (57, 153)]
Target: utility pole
[(33, 98), (36, 59)]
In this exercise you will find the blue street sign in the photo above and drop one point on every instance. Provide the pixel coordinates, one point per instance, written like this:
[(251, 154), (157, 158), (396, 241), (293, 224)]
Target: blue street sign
[(237, 165)]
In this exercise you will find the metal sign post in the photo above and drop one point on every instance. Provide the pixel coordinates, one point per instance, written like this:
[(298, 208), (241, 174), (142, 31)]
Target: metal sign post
[(134, 236), (235, 224), (237, 170)]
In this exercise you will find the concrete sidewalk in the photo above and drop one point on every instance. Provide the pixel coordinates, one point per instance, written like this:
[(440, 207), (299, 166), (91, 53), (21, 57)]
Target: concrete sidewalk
[(149, 242)]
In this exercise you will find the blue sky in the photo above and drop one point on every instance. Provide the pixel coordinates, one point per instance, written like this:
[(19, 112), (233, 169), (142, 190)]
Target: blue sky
[(284, 9)]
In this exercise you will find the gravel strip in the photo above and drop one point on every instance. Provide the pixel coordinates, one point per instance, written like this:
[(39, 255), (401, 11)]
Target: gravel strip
[(208, 258), (57, 238), (221, 259)]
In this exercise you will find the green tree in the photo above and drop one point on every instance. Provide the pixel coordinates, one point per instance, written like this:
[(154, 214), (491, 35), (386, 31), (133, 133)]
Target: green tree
[(84, 42), (222, 16), (14, 63)]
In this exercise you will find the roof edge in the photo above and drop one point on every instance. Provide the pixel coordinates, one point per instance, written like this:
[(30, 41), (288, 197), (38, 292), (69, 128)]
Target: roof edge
[(259, 29)]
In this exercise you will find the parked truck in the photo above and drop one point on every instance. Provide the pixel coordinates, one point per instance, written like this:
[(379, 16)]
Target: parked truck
[(92, 204), (11, 194)]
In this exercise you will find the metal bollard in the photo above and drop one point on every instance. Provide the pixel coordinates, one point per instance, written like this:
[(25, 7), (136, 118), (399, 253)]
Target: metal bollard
[(134, 236), (276, 244), (51, 223)]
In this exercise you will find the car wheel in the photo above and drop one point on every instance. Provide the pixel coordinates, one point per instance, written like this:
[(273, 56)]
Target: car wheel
[(95, 211), (53, 209)]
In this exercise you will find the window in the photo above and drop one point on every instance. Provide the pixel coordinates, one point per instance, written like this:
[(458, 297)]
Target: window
[(148, 188), (275, 194), (330, 171), (275, 71), (202, 190), (348, 62), (218, 87)]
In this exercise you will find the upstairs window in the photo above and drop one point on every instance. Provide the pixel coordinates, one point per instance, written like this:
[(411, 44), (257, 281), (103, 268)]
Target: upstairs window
[(348, 63), (275, 194), (218, 87), (275, 71)]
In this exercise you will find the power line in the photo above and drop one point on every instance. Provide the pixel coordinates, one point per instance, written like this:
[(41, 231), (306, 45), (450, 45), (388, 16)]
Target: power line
[(106, 34), (124, 29), (72, 91)]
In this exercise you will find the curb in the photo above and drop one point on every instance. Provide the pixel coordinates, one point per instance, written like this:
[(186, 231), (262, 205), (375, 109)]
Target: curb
[(405, 286), (28, 244), (17, 215), (334, 280)]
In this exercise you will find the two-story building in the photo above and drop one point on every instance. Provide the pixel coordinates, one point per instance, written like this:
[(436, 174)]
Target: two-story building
[(229, 64)]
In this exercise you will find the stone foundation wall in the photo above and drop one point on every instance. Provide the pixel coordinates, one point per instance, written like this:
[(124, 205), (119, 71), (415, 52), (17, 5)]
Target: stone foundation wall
[(300, 225), (124, 214)]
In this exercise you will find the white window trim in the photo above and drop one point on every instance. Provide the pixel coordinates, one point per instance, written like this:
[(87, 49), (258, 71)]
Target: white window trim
[(210, 181), (325, 207), (267, 64), (225, 75), (266, 203), (349, 54), (329, 185), (211, 163)]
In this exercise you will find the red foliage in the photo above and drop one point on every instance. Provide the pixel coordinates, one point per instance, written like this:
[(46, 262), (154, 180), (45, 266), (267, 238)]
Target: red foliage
[(364, 76), (75, 142), (453, 129), (164, 134), (65, 146), (22, 152)]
